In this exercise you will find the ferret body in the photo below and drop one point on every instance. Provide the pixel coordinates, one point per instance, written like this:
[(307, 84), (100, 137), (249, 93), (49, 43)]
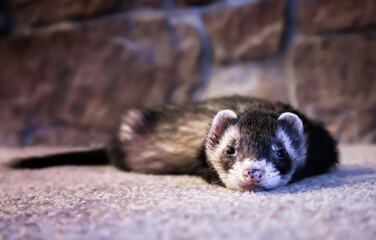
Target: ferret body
[(238, 142), (241, 143)]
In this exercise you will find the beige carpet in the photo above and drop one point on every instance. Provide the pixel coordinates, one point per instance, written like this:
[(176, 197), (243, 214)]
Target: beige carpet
[(90, 202)]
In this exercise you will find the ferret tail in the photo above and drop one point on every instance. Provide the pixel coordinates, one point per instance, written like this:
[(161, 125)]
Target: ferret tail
[(96, 156)]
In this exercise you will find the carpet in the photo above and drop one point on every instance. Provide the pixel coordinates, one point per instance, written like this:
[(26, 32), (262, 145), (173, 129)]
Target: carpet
[(101, 202)]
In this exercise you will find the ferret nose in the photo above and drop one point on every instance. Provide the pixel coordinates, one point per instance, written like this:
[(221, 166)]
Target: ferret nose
[(253, 175)]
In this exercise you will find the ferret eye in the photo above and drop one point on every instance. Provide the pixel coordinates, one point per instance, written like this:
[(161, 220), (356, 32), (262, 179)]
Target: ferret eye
[(230, 151), (281, 153)]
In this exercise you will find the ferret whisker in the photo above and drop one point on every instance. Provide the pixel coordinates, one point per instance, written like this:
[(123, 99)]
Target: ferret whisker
[(216, 182), (207, 170)]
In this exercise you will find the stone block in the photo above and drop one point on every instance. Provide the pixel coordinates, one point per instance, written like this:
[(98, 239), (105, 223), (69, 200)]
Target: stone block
[(78, 79), (333, 79), (265, 79), (245, 32), (43, 12), (318, 16), (188, 3), (151, 3), (188, 43)]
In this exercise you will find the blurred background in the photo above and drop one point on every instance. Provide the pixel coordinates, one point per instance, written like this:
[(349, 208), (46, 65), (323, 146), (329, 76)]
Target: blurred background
[(68, 68)]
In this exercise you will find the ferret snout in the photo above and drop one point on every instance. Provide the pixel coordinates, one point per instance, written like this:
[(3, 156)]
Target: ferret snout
[(253, 174)]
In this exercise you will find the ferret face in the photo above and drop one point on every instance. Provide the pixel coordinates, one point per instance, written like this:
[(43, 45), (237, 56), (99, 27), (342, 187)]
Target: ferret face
[(255, 149)]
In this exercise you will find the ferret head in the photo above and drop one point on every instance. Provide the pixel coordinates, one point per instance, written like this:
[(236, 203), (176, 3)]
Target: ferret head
[(255, 149)]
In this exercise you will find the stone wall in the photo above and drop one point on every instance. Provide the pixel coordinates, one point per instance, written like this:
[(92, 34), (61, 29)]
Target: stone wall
[(70, 67)]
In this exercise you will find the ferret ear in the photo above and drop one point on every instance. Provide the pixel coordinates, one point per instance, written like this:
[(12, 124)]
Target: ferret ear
[(291, 133), (221, 122), (291, 123)]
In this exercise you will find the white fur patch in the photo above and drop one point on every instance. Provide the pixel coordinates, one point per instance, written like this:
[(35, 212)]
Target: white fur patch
[(129, 120), (132, 117), (270, 179), (298, 155), (148, 154), (228, 137), (125, 132), (282, 135), (294, 120), (215, 153), (166, 147), (223, 114)]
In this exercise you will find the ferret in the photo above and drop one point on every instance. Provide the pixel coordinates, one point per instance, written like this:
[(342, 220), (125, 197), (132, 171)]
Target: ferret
[(237, 142)]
